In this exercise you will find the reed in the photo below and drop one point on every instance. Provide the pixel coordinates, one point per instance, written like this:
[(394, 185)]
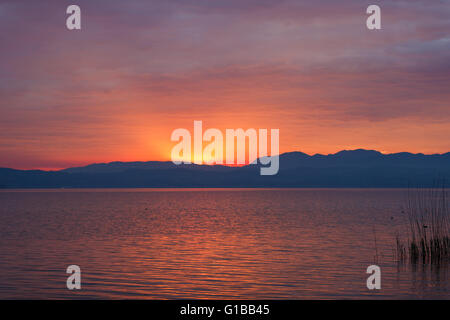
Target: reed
[(428, 235)]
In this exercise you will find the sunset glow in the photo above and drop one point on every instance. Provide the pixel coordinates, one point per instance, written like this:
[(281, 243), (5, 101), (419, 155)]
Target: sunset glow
[(115, 90)]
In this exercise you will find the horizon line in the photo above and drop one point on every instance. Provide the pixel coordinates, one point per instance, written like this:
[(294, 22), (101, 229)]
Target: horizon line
[(224, 165)]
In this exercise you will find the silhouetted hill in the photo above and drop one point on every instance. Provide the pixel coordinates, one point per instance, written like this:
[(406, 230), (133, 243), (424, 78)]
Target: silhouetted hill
[(118, 166), (348, 168)]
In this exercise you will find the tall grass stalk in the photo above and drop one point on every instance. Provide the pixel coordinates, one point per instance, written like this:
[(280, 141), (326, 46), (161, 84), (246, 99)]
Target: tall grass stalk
[(428, 233)]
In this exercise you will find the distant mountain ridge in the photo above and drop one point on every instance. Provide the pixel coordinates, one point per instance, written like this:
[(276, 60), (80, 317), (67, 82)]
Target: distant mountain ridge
[(347, 168)]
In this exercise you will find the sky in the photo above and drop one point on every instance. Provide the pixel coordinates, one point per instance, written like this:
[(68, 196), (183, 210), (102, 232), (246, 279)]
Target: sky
[(137, 70)]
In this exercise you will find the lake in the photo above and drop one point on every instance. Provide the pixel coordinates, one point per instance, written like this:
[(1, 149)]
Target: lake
[(208, 244)]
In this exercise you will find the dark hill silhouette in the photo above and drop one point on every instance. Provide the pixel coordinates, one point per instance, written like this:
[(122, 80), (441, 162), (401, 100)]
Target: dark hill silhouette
[(348, 168)]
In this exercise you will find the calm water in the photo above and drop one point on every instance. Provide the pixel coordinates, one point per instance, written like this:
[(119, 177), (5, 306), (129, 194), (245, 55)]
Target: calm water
[(207, 243)]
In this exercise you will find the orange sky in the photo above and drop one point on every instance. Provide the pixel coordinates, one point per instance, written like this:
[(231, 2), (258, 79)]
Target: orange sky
[(116, 90)]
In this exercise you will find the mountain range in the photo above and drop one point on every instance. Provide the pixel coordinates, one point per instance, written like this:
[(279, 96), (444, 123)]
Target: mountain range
[(345, 169)]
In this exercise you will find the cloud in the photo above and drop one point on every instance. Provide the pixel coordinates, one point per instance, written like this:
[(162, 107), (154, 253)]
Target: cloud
[(279, 61)]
